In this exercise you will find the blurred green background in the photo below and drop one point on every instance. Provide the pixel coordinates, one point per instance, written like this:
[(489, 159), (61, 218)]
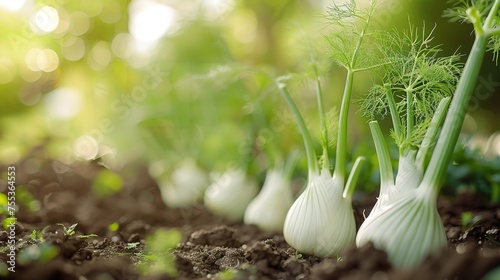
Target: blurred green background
[(148, 80)]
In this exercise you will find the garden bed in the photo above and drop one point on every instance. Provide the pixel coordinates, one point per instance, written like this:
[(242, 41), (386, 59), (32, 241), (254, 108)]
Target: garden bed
[(111, 233)]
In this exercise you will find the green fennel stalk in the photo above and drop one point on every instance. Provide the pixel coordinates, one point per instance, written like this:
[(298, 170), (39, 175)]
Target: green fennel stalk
[(447, 140)]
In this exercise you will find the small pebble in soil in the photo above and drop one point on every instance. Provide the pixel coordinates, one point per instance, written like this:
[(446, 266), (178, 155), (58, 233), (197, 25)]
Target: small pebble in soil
[(492, 231), (454, 232), (461, 248)]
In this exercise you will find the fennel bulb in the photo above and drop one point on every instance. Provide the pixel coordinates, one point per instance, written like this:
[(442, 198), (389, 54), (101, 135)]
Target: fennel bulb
[(269, 208), (408, 229), (321, 222), (229, 195), (184, 187), (407, 180), (408, 226)]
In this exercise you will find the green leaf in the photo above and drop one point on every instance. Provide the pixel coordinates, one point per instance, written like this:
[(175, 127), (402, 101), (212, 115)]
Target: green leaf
[(41, 253), (159, 252), (3, 203), (132, 245), (68, 230), (352, 35), (107, 183), (417, 80), (83, 236), (114, 226), (7, 222), (458, 11)]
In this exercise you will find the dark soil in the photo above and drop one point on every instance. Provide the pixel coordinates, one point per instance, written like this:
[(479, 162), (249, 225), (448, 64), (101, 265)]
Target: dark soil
[(209, 245)]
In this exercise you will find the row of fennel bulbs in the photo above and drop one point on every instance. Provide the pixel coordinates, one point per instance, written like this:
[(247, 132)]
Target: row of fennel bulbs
[(426, 96)]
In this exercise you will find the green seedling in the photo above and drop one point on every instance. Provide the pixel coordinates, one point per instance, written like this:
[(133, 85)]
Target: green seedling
[(68, 231), (469, 220), (158, 254), (132, 245), (38, 235)]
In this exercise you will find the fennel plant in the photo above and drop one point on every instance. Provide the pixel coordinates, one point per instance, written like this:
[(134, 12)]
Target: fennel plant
[(321, 222), (405, 222)]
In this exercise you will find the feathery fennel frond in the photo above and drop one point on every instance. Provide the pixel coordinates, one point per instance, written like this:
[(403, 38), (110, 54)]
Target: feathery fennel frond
[(340, 13), (332, 119), (476, 12), (352, 34), (413, 141), (416, 81), (458, 11), (374, 104), (494, 45)]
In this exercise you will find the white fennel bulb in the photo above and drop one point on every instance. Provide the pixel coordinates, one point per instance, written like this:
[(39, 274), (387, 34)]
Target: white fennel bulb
[(269, 208), (407, 180), (321, 221), (184, 187), (408, 229), (229, 195), (404, 222), (409, 172)]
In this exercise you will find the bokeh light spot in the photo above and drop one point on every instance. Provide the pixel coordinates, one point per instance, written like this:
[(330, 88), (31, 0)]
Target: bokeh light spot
[(63, 103), (91, 8), (64, 21), (31, 59), (111, 13), (44, 20), (73, 48), (101, 53), (121, 45), (30, 95), (29, 75), (149, 21), (48, 60), (86, 147), (216, 8), (42, 60), (11, 5), (79, 23), (100, 56)]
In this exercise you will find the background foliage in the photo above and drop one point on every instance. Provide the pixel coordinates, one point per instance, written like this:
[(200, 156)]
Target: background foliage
[(146, 81)]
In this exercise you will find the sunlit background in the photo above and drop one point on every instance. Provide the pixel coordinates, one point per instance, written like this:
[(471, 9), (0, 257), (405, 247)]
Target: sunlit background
[(149, 79)]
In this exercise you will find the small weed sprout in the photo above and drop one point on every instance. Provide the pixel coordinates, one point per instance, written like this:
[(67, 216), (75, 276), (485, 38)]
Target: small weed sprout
[(469, 220), (132, 245), (68, 231)]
